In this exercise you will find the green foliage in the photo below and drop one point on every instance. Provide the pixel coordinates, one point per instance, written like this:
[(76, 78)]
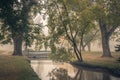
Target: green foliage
[(12, 18), (108, 11), (71, 21), (17, 21), (107, 14), (59, 74), (62, 55)]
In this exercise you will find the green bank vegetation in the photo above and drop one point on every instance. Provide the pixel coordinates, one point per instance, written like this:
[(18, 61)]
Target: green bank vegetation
[(92, 60), (16, 68)]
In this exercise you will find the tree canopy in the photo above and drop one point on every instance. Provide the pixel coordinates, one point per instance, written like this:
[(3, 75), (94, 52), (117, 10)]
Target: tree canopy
[(16, 23), (71, 23), (107, 15)]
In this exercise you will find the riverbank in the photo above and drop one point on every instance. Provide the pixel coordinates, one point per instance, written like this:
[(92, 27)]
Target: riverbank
[(94, 61), (16, 68)]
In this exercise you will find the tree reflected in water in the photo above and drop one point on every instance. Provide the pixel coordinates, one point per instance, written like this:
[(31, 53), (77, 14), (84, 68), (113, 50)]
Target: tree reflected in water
[(62, 74), (78, 75), (59, 74), (106, 77)]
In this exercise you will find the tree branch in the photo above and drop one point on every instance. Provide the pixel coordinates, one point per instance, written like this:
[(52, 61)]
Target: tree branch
[(68, 19), (64, 25), (109, 33), (91, 38)]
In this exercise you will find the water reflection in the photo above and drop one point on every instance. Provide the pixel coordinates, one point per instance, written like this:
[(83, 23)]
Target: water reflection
[(59, 74), (106, 77), (48, 70), (62, 74)]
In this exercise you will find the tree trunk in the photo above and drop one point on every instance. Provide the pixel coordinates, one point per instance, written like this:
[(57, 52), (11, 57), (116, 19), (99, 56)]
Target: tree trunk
[(105, 46), (83, 48), (89, 47), (17, 46), (105, 40), (77, 52)]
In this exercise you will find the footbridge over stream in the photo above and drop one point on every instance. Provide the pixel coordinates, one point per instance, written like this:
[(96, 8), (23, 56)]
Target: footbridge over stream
[(37, 54)]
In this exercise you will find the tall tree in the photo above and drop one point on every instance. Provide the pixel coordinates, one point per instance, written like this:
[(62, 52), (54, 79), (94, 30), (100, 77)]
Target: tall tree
[(108, 17), (72, 23), (14, 15)]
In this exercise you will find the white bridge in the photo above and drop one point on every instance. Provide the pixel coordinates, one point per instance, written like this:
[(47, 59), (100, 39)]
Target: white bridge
[(37, 54)]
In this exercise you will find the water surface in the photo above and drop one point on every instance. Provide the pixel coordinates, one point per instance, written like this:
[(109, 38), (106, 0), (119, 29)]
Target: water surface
[(49, 70)]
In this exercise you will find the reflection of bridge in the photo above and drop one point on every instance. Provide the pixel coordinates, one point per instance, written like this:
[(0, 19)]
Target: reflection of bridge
[(37, 54)]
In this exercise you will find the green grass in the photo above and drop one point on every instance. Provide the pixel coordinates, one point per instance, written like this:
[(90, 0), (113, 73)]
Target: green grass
[(94, 58), (94, 61), (16, 68)]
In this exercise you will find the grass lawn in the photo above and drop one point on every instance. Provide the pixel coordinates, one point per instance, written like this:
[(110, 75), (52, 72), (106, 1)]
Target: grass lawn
[(94, 61), (16, 68), (95, 58)]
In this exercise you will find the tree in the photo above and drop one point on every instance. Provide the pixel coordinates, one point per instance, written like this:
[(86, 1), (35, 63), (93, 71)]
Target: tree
[(108, 16), (16, 28), (72, 23), (89, 38)]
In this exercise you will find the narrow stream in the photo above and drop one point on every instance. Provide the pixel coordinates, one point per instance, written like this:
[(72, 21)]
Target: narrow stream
[(49, 70)]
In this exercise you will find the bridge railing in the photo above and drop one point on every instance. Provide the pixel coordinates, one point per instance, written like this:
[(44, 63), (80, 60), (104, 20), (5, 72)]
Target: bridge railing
[(37, 54)]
